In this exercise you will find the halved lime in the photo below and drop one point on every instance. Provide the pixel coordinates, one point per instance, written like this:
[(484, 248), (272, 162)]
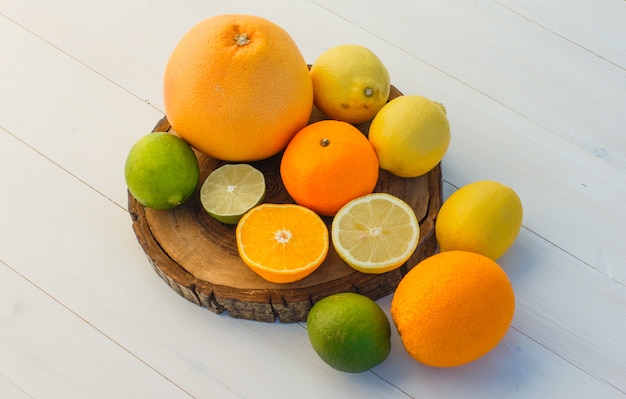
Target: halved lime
[(375, 233), (232, 190)]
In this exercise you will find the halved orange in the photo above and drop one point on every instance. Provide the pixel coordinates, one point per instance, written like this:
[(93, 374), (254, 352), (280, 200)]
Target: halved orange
[(282, 243)]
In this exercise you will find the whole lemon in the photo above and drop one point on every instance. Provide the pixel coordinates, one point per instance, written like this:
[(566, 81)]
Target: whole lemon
[(410, 135), (349, 331), (482, 217), (161, 170), (350, 83)]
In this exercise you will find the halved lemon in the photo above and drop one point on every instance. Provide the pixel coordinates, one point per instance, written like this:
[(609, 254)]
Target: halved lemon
[(375, 233), (232, 190), (282, 243)]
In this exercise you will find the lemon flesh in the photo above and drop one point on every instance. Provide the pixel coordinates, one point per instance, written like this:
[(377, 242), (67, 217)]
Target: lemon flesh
[(484, 217), (161, 170), (232, 190), (349, 331), (375, 233)]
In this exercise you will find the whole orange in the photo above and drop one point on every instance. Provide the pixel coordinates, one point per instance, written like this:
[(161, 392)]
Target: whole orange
[(327, 164), (453, 308), (237, 88)]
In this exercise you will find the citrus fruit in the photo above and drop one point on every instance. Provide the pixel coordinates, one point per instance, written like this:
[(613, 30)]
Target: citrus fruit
[(375, 233), (410, 134), (232, 190), (161, 170), (237, 88), (452, 308), (483, 217), (349, 331), (350, 83), (282, 243), (327, 164)]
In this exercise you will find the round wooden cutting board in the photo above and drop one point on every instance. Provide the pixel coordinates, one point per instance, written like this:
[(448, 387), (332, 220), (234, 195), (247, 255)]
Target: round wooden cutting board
[(197, 255)]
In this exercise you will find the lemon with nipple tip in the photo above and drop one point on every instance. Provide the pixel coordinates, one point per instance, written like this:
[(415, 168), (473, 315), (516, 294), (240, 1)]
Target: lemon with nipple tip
[(483, 217), (350, 83)]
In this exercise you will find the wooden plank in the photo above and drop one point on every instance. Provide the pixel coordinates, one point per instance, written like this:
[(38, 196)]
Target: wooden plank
[(101, 274), (88, 260), (597, 26), (40, 359), (134, 49), (10, 390), (536, 163), (77, 118), (504, 107), (540, 75), (105, 281), (517, 368), (553, 308), (555, 70), (486, 131)]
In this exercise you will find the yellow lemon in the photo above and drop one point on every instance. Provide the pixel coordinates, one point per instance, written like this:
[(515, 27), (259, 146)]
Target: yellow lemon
[(483, 217), (350, 83), (410, 135)]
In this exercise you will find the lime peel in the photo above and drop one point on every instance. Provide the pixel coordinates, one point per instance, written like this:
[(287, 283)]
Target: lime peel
[(349, 332), (161, 170)]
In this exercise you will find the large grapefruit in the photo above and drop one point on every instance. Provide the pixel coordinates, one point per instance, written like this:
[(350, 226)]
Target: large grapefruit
[(237, 88)]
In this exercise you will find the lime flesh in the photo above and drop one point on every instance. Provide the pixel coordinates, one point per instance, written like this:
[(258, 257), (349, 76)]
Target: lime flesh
[(232, 190)]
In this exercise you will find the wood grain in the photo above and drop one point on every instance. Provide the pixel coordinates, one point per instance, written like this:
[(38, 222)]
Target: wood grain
[(197, 255)]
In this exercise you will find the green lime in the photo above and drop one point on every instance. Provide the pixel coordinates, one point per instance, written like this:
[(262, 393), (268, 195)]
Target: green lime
[(349, 331), (161, 170), (232, 190)]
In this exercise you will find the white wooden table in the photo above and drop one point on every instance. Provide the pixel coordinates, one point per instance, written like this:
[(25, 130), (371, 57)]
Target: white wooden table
[(536, 95)]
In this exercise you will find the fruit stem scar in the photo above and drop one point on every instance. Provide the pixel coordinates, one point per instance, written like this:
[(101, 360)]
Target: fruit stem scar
[(324, 142), (282, 236), (241, 39), (368, 92)]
